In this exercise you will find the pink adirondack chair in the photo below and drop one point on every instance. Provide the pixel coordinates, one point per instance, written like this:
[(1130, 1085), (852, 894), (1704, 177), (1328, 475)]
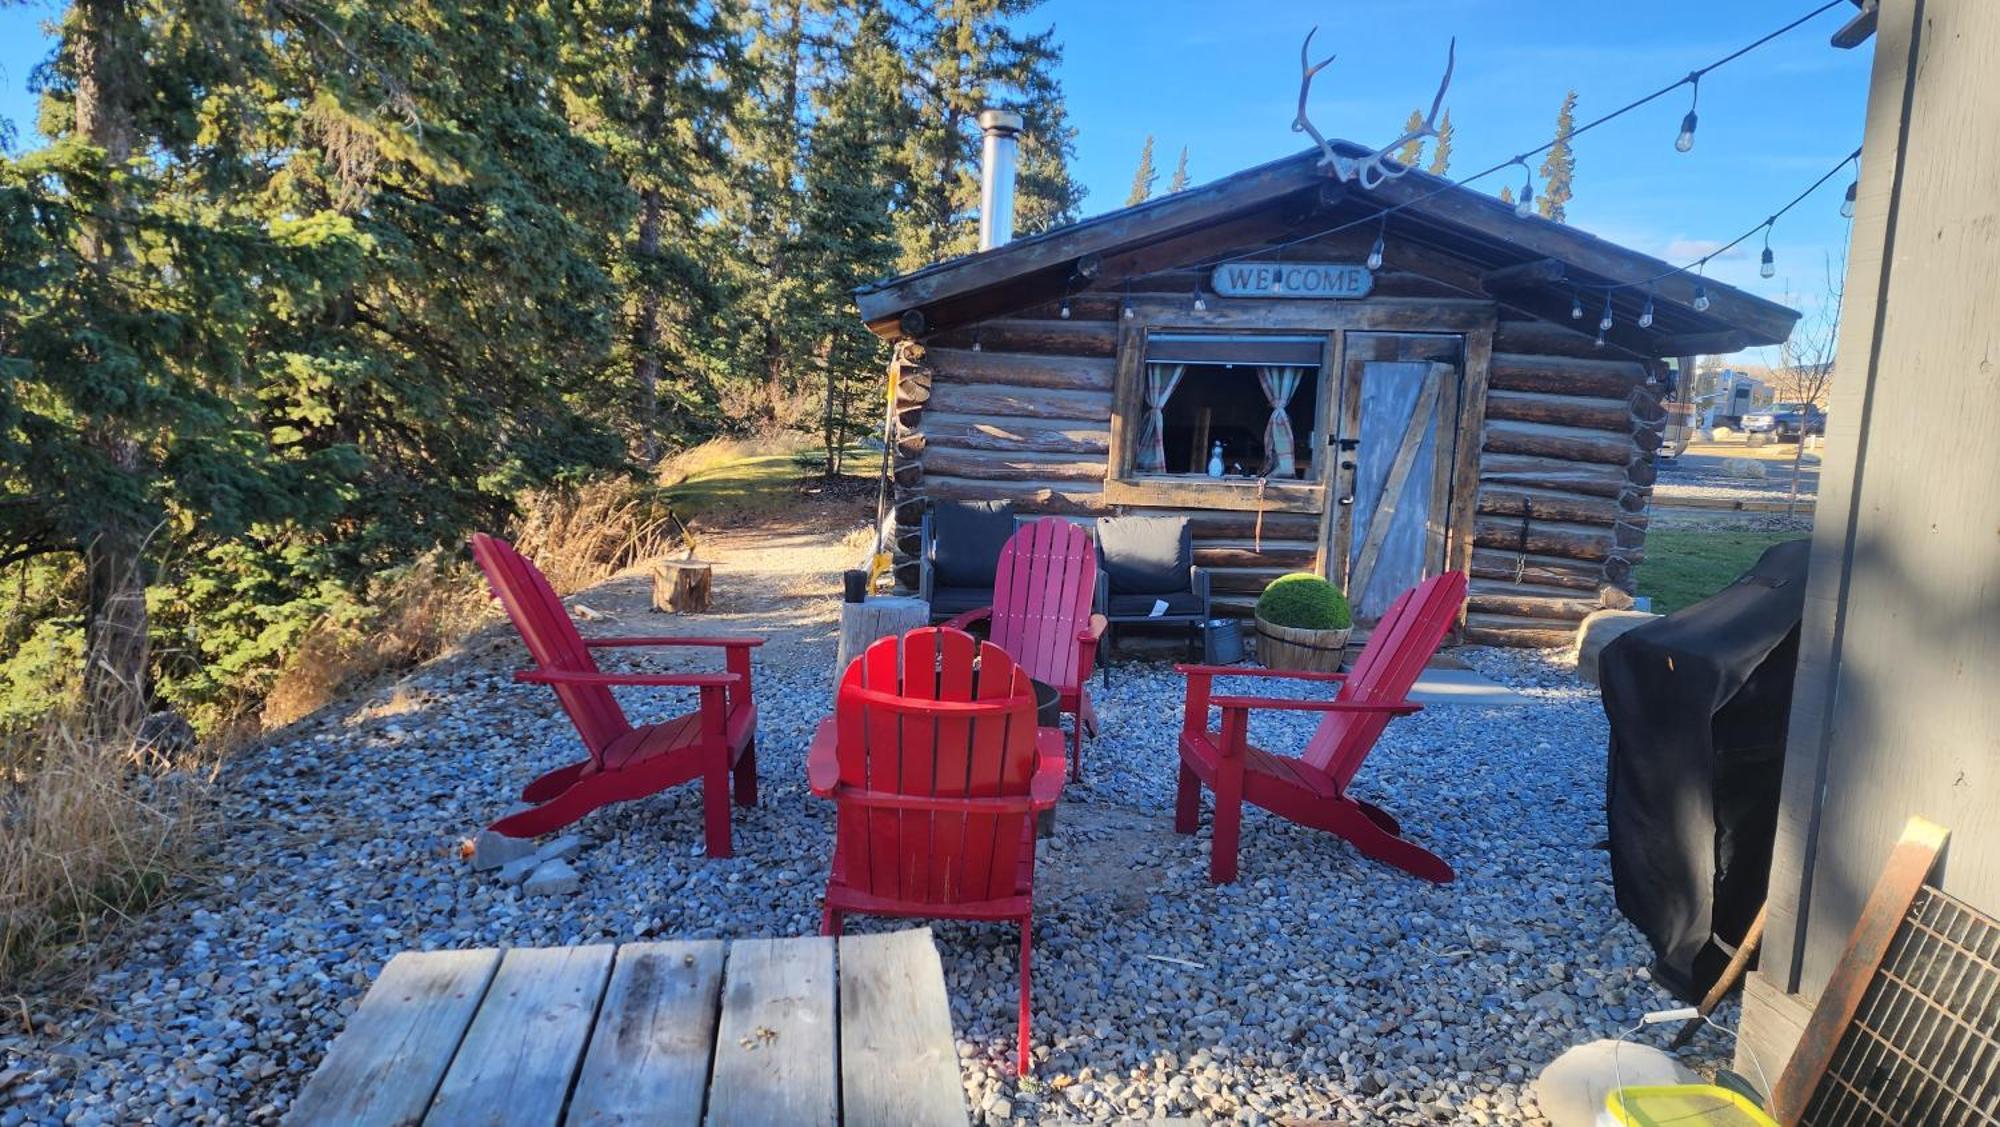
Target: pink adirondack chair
[(1042, 591), (936, 775), (1312, 789), (625, 762)]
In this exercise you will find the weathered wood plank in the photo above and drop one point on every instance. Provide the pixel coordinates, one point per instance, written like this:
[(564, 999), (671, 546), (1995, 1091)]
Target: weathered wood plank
[(1545, 538), (1529, 338), (999, 432), (1508, 630), (1573, 443), (775, 1052), (1015, 465), (1294, 554), (1033, 403), (655, 1032), (1031, 496), (1015, 369), (1595, 478), (898, 1062), (1564, 375), (1561, 409), (1552, 571), (1549, 504), (385, 1066), (1521, 602), (1060, 338), (517, 1060)]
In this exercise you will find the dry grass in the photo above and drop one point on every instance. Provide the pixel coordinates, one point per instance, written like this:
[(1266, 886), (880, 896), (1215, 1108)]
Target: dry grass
[(582, 535), (90, 832)]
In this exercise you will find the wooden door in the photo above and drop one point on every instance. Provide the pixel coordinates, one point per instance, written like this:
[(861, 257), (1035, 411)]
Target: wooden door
[(1387, 524)]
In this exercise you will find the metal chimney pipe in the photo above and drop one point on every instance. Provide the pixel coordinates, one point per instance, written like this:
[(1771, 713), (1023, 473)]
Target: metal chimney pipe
[(996, 177)]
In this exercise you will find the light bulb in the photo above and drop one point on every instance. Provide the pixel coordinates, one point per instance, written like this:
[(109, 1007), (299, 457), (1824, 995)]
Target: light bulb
[(1375, 254), (1847, 203), (1685, 141), (1769, 268), (1064, 314), (1128, 311), (1646, 314), (1599, 342), (1525, 206), (1575, 308), (1700, 298), (1200, 303), (975, 344), (1604, 322)]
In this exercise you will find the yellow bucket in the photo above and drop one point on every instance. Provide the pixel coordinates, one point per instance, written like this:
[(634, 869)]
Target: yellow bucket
[(1681, 1105)]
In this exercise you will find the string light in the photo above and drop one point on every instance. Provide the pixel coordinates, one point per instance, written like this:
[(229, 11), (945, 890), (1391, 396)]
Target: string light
[(1064, 312), (1769, 266), (1646, 314), (975, 342), (1525, 206), (1847, 201), (1700, 298), (1375, 252), (1126, 311), (1200, 304), (1604, 322), (1575, 306), (1685, 141)]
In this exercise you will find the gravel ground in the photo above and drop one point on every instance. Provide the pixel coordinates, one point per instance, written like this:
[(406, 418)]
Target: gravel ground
[(1328, 986)]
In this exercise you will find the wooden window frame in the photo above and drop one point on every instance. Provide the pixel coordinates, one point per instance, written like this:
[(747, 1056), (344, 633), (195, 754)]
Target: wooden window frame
[(1333, 319)]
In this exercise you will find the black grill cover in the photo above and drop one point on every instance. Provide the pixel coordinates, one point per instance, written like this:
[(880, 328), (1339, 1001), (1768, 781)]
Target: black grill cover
[(1698, 703)]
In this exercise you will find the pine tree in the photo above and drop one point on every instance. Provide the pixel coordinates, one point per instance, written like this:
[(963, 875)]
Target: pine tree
[(1410, 154), (1559, 167), (1179, 182), (1145, 177), (1440, 164)]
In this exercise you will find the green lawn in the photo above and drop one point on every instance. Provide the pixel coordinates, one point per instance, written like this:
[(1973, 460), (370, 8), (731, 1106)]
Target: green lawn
[(1684, 567), (752, 477)]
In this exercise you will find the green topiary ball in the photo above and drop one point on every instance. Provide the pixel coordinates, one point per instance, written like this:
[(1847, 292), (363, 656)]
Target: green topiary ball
[(1304, 601)]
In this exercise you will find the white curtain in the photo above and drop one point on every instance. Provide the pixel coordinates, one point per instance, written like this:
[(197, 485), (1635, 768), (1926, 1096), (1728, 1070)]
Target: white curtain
[(1279, 383), (1161, 380)]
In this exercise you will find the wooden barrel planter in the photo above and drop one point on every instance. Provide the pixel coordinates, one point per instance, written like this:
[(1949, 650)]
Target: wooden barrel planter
[(1289, 647)]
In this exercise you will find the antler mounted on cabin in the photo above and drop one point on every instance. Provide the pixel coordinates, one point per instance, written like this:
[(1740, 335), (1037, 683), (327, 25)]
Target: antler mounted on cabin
[(1377, 166)]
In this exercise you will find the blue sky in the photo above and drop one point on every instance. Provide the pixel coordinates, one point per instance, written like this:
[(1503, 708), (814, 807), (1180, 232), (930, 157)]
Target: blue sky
[(1222, 79)]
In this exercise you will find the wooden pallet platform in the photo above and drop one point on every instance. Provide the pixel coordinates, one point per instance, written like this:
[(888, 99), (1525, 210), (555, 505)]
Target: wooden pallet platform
[(759, 1031)]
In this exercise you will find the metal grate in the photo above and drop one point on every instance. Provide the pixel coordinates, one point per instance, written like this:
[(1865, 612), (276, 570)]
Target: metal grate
[(1924, 1046)]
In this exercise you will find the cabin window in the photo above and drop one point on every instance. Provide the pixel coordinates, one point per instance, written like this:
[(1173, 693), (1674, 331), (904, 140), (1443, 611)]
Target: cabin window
[(1246, 405)]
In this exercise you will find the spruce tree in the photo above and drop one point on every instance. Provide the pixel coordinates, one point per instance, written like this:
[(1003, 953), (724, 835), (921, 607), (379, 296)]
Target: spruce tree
[(1440, 164), (1559, 166), (1179, 182), (1144, 177)]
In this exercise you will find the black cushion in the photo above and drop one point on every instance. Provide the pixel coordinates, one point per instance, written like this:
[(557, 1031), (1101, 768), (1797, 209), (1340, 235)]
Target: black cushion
[(1146, 555), (1182, 602), (969, 536), (948, 602)]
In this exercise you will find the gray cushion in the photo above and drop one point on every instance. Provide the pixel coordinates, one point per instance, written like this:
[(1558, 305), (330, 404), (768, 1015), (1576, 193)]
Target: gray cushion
[(1146, 555), (949, 602), (1183, 602), (969, 536)]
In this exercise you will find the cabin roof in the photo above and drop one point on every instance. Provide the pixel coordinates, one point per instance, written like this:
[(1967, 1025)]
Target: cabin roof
[(1530, 264)]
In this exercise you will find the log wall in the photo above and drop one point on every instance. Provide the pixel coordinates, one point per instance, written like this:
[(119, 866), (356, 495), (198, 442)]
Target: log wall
[(1021, 408)]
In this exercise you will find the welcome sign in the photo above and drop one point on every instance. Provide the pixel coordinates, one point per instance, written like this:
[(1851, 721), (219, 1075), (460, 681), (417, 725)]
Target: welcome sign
[(1292, 279)]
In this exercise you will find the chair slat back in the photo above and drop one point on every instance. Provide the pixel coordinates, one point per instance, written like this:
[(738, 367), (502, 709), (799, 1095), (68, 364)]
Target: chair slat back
[(1402, 643), (894, 741), (545, 628), (1042, 592)]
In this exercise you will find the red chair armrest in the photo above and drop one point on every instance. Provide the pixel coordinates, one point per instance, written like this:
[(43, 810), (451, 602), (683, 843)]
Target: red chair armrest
[(1095, 630), (1394, 708), (733, 643), (823, 759), (1051, 769), (657, 680), (1239, 671), (962, 621)]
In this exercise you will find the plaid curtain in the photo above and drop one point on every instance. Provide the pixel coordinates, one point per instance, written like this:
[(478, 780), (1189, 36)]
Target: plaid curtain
[(1279, 384), (1161, 380)]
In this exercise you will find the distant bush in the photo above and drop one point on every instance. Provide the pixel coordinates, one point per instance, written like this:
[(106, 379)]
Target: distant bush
[(1304, 602)]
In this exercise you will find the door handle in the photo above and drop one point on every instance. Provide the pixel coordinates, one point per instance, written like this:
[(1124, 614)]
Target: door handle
[(1347, 500)]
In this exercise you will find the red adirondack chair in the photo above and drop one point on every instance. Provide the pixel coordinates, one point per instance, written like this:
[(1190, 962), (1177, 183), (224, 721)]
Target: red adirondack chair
[(625, 762), (936, 776), (1042, 591), (1312, 789)]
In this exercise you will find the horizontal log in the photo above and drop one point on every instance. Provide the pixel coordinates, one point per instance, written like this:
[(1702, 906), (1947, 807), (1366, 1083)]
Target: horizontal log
[(1291, 554), (1030, 403), (1548, 504), (1488, 629), (1562, 410), (1021, 369), (1547, 571), (1246, 580), (1569, 606), (1573, 443), (1028, 496), (1233, 606), (1542, 338), (1526, 470), (1561, 375), (992, 432), (1017, 465), (1008, 334), (1544, 538), (1225, 524)]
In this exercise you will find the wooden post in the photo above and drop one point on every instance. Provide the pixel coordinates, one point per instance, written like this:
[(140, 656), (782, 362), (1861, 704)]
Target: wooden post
[(681, 586), (863, 622)]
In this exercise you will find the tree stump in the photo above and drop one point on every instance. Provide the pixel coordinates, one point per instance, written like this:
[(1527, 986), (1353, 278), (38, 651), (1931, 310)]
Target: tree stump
[(681, 586), (865, 621)]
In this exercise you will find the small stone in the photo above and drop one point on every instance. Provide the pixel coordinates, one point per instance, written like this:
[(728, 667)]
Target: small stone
[(552, 878), (514, 872), (491, 850), (562, 848)]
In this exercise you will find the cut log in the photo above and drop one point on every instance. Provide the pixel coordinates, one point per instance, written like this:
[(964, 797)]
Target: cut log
[(994, 432), (1223, 524), (1030, 496), (1491, 598), (1015, 369), (880, 617), (1245, 580), (1545, 538), (1549, 504), (681, 586), (1548, 571), (1485, 629), (1293, 554), (1576, 444), (1017, 465), (1530, 471), (1563, 410), (1019, 402), (1066, 338), (1562, 375)]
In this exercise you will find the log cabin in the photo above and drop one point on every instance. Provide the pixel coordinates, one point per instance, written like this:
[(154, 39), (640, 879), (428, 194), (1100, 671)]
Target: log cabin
[(1371, 384)]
